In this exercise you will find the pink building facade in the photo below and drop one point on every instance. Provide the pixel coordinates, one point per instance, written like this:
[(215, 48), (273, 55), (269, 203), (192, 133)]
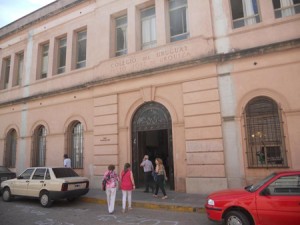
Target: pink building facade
[(210, 87)]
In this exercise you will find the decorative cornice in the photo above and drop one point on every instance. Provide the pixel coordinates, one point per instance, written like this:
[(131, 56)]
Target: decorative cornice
[(218, 58)]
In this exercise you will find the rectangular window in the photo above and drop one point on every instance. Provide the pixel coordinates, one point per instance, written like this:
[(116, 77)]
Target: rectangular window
[(61, 55), (121, 35), (244, 12), (284, 8), (19, 69), (44, 60), (5, 73), (178, 20), (81, 49), (148, 28)]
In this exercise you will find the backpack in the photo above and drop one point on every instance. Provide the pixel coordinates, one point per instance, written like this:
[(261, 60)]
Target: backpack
[(104, 181), (154, 174), (104, 185)]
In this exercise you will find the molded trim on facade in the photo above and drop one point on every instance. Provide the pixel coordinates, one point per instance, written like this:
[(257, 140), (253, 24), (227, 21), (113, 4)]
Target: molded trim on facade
[(218, 58)]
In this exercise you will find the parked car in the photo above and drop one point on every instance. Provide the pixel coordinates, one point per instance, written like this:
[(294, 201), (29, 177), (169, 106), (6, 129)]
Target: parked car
[(6, 174), (274, 200), (47, 184)]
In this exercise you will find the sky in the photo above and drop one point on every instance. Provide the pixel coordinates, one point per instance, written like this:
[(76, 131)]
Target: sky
[(11, 10)]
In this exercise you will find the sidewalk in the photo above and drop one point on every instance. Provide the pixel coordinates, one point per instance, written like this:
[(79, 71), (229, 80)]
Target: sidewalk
[(176, 201)]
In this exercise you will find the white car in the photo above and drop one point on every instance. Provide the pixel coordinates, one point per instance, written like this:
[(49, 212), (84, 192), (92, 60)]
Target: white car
[(47, 184)]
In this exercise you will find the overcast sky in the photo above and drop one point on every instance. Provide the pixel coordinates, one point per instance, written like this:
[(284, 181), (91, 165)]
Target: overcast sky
[(11, 10)]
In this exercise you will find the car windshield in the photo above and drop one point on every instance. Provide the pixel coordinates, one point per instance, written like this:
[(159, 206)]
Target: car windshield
[(4, 169), (254, 187), (64, 172)]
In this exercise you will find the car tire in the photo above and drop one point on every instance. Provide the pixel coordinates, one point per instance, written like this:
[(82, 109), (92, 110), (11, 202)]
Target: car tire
[(6, 195), (236, 217), (45, 199)]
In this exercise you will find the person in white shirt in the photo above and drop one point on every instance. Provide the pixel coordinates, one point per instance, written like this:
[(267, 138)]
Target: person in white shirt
[(67, 161), (148, 168)]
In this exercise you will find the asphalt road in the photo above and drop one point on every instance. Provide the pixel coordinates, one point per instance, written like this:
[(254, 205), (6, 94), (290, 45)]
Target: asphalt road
[(29, 212)]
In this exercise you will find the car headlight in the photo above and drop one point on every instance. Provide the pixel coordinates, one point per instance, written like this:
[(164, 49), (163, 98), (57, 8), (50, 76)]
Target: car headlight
[(210, 202)]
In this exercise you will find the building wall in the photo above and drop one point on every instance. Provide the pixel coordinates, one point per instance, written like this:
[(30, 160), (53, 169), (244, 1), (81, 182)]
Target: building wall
[(271, 78), (204, 82)]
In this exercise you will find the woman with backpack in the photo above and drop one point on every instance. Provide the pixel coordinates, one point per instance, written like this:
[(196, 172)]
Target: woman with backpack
[(111, 184)]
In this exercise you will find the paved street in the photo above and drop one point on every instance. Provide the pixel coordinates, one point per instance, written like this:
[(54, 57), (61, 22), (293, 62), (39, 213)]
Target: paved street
[(29, 212)]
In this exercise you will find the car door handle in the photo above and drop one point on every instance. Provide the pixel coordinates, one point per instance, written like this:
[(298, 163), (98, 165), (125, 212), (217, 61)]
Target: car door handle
[(42, 181), (27, 181)]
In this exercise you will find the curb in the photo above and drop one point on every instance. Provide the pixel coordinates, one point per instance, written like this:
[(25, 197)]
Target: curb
[(148, 205)]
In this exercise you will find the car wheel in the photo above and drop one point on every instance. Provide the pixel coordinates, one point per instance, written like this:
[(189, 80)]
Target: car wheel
[(6, 195), (45, 199), (236, 218)]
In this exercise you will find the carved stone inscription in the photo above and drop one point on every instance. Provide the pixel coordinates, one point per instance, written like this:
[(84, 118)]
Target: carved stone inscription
[(152, 59)]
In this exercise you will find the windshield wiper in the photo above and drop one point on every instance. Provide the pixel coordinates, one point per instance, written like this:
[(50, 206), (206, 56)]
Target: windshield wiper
[(249, 188)]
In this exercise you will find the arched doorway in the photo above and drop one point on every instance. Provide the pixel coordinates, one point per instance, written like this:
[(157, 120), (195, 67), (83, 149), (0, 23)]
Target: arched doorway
[(152, 135)]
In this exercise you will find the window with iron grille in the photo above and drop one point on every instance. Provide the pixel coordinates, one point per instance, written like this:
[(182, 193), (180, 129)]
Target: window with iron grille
[(244, 12), (38, 157), (10, 149), (75, 144), (264, 134), (284, 8)]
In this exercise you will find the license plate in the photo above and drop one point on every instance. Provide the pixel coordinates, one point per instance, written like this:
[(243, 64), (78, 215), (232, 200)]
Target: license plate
[(77, 186)]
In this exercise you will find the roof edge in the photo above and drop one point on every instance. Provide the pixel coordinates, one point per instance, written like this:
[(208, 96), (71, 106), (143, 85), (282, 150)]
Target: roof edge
[(38, 15)]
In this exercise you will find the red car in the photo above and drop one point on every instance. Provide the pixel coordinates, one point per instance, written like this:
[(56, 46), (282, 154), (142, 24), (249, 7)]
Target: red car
[(273, 201)]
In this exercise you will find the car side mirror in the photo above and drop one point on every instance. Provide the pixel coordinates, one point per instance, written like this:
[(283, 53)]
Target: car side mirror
[(266, 192)]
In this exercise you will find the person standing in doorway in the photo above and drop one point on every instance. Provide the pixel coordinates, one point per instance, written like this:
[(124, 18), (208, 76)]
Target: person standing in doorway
[(148, 168), (112, 179), (161, 178), (127, 185), (67, 161)]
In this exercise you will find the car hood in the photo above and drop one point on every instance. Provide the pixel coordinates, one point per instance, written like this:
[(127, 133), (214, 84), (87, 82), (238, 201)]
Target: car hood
[(230, 194), (8, 181)]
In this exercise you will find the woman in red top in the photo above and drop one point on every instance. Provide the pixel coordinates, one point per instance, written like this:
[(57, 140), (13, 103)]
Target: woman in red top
[(127, 185)]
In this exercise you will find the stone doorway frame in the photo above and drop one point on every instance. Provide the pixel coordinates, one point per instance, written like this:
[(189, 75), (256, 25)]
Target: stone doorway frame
[(152, 116)]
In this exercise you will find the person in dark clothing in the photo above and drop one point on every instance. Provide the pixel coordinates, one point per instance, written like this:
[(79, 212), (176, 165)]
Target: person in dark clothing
[(161, 178)]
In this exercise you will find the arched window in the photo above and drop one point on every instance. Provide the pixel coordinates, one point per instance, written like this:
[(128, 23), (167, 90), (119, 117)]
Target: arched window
[(264, 134), (75, 144), (11, 149), (39, 147)]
